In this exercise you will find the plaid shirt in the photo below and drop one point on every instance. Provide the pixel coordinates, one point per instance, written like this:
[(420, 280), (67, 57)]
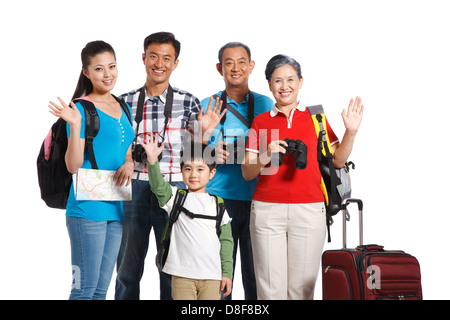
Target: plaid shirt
[(181, 123)]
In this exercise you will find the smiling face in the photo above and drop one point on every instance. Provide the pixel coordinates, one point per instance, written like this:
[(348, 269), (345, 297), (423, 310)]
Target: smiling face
[(159, 60), (102, 71), (285, 85), (196, 175), (235, 67)]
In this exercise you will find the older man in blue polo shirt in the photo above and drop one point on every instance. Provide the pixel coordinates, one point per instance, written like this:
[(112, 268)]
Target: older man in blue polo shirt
[(235, 66)]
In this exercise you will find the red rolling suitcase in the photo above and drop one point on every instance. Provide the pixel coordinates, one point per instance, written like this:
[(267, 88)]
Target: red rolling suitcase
[(369, 272)]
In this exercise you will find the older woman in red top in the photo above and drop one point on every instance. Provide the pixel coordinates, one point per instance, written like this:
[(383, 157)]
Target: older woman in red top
[(288, 212)]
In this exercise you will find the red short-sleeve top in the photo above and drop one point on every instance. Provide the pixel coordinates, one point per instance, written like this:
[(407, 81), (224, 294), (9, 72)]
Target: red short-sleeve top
[(286, 183)]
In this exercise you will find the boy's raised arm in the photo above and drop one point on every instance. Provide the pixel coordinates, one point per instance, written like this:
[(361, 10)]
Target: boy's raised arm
[(161, 188)]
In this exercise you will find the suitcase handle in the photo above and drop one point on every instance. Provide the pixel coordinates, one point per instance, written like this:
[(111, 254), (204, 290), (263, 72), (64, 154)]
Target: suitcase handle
[(351, 200), (344, 220), (370, 247)]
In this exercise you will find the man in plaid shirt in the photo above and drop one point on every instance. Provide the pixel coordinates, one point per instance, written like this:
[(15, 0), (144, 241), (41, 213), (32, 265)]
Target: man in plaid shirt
[(181, 124), (160, 58)]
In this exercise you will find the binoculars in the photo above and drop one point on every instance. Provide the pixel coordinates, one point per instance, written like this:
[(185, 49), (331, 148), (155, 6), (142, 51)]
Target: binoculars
[(298, 149)]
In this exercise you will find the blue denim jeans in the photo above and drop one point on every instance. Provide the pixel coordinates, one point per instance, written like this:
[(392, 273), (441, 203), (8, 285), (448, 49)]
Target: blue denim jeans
[(94, 248), (239, 211), (141, 214)]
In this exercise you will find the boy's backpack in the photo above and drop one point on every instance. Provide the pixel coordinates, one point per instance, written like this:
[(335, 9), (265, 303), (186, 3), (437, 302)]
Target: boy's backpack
[(335, 183), (177, 208), (53, 177)]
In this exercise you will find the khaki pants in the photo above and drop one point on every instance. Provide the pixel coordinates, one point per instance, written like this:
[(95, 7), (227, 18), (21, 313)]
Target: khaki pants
[(192, 289), (287, 241)]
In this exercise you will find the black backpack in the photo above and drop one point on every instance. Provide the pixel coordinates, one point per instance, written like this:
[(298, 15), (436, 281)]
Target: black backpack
[(54, 179)]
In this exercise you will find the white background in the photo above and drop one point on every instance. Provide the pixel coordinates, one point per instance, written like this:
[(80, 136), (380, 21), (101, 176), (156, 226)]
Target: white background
[(393, 54)]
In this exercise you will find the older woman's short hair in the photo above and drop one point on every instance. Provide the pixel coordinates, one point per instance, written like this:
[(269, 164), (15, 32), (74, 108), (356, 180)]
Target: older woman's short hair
[(279, 61)]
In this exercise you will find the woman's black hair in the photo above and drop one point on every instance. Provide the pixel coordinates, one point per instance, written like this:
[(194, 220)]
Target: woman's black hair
[(279, 61), (84, 85)]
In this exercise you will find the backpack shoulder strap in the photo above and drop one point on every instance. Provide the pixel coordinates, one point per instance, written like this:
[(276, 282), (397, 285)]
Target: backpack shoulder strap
[(220, 212), (315, 109), (319, 120), (323, 147), (125, 109), (180, 197), (178, 207), (92, 126)]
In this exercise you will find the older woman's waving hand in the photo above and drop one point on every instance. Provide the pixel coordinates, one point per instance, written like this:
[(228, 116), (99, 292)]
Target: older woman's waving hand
[(352, 120)]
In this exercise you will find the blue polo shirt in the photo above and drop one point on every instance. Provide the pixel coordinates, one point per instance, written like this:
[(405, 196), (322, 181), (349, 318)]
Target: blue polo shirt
[(228, 182)]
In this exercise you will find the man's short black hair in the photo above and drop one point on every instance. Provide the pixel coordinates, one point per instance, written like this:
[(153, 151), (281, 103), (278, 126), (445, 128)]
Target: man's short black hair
[(163, 37)]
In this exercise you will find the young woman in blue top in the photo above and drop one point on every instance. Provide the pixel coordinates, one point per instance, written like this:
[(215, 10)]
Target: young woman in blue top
[(95, 227)]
